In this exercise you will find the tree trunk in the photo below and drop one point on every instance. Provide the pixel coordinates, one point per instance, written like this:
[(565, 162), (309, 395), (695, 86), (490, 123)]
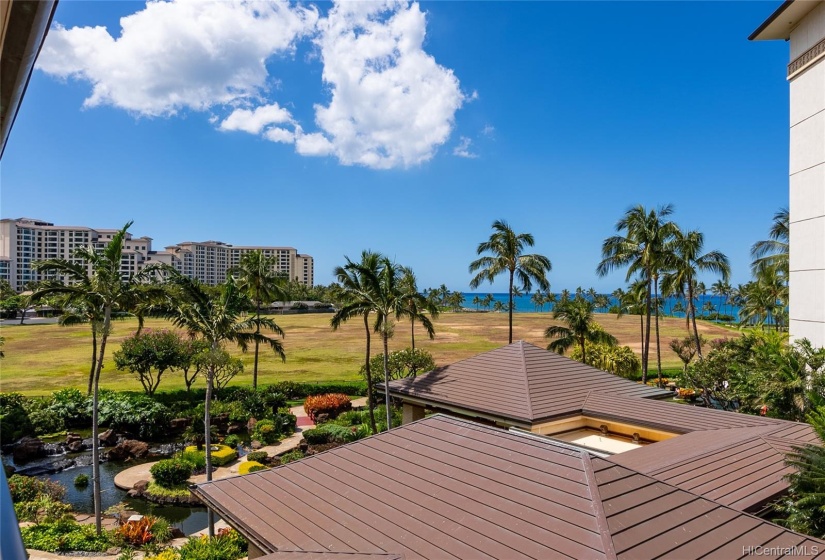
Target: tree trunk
[(658, 345), (107, 321), (646, 345), (370, 401), (207, 437), (94, 361), (584, 356), (412, 332), (510, 309), (257, 343), (385, 336), (692, 313)]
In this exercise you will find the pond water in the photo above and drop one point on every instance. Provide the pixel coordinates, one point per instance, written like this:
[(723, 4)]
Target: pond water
[(187, 519)]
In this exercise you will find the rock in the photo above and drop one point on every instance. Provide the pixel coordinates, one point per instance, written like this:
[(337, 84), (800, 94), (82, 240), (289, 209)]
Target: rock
[(71, 436), (108, 438), (255, 444), (75, 446), (250, 426), (235, 428), (303, 446), (128, 449), (321, 418), (113, 550), (177, 533), (134, 493), (179, 424), (28, 448), (141, 485)]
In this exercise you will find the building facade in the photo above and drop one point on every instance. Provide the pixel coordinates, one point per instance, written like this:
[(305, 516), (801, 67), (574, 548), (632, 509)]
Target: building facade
[(802, 22), (24, 241)]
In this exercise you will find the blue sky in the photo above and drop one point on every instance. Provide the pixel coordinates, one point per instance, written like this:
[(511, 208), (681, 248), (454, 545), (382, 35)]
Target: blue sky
[(554, 116)]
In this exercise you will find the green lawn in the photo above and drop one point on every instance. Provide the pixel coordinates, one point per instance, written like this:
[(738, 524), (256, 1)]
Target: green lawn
[(43, 358)]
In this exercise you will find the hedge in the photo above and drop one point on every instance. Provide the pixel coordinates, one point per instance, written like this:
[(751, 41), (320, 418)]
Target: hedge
[(250, 466), (171, 472), (221, 454), (257, 456)]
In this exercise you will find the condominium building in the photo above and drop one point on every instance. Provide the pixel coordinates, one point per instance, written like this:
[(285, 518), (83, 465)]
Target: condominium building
[(209, 261), (802, 22), (24, 241)]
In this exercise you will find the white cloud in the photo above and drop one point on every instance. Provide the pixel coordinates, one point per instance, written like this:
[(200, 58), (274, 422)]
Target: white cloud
[(489, 130), (179, 54), (463, 148), (392, 104), (255, 120)]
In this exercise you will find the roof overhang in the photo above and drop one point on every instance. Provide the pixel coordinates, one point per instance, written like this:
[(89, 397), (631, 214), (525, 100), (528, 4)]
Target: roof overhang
[(786, 17), (23, 28)]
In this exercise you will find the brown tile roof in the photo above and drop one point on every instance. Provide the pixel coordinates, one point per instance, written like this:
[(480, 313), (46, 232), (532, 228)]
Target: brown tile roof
[(449, 488), (328, 555), (529, 384)]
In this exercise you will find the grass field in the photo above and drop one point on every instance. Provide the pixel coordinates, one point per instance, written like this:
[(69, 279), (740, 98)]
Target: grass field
[(43, 358)]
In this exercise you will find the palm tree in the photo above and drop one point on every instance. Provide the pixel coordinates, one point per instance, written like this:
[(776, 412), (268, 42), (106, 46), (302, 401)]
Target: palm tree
[(358, 303), (98, 286), (722, 289), (415, 302), (641, 249), (685, 261), (476, 301), (507, 248), (498, 306), (578, 315), (538, 300), (487, 301), (773, 252), (216, 321), (257, 276)]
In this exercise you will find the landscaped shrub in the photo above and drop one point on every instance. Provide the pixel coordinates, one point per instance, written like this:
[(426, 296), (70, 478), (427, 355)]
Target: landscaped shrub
[(293, 455), (351, 418), (63, 536), (226, 545), (221, 454), (195, 458), (171, 472), (328, 433), (266, 432), (147, 529), (14, 421), (28, 488), (250, 466), (293, 391), (285, 421), (72, 407), (81, 480), (331, 404), (134, 413), (43, 418), (258, 456), (42, 509), (232, 440)]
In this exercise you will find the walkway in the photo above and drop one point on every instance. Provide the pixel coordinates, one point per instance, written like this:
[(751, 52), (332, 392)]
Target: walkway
[(126, 479)]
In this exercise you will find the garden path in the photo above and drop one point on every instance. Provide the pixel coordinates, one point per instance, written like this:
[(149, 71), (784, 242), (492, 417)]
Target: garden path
[(127, 478)]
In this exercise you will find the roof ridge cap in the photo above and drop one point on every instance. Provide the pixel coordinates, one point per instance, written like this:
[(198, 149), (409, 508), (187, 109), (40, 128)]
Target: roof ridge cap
[(598, 507), (526, 381)]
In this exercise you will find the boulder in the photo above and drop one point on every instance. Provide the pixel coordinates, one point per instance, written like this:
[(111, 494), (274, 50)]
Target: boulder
[(255, 444), (179, 424), (177, 533), (141, 486), (75, 446), (235, 428), (108, 438), (128, 449), (27, 449)]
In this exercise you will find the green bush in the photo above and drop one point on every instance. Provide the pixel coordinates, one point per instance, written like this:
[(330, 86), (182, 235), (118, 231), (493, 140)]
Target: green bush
[(14, 421), (221, 454), (72, 407), (294, 391), (81, 480), (29, 489), (329, 433), (259, 456), (293, 455), (232, 440), (64, 536), (138, 414), (43, 418), (195, 458), (226, 545), (250, 466), (171, 472), (266, 432), (43, 509)]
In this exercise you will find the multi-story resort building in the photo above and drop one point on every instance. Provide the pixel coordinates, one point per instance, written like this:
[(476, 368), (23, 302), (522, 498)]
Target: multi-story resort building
[(24, 241), (802, 22)]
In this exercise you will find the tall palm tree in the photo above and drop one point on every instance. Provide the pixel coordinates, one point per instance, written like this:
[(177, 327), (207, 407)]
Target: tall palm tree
[(578, 315), (258, 277), (415, 302), (216, 321), (538, 300), (773, 252), (722, 289), (685, 261), (641, 249), (99, 286), (507, 256), (476, 301), (357, 302)]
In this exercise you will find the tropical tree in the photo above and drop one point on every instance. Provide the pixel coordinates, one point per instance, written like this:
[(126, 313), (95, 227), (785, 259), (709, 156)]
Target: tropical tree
[(357, 302), (216, 321), (577, 314), (641, 248), (415, 302), (684, 261), (507, 256), (97, 285), (722, 289), (487, 301), (257, 276), (538, 300), (476, 301), (148, 355), (773, 252)]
